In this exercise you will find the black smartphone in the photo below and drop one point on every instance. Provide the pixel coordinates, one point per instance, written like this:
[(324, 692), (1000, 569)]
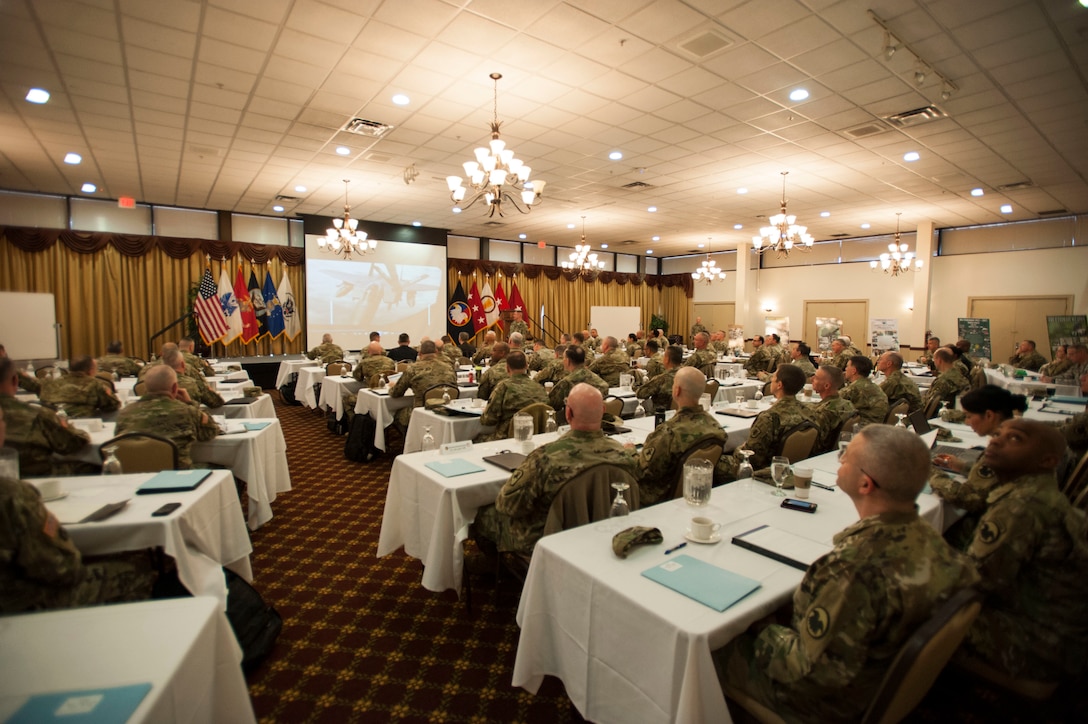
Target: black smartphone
[(166, 510), (803, 505)]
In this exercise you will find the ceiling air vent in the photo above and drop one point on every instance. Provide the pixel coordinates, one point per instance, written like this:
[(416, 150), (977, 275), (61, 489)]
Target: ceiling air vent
[(636, 185), (363, 127), (627, 243), (289, 199), (916, 117), (1054, 212), (867, 129), (492, 223), (379, 158), (839, 236), (1018, 186), (705, 44)]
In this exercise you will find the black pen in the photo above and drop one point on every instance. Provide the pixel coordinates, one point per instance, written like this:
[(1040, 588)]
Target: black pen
[(821, 485), (675, 548)]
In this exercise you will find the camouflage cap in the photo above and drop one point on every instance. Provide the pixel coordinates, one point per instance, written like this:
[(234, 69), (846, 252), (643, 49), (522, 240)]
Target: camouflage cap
[(637, 535)]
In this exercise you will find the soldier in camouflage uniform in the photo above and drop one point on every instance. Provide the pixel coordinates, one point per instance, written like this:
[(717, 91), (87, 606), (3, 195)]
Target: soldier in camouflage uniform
[(510, 395), (27, 382), (801, 356), (166, 410), (484, 350), (932, 345), (697, 328), (201, 365), (840, 352), (35, 432), (556, 369), (702, 358), (1075, 432), (193, 383), (574, 360), (81, 393), (1031, 551), (495, 373), (518, 325), (665, 446), (449, 352), (634, 345), (655, 362), (372, 365), (327, 352), (611, 364), (832, 410), (541, 357), (1058, 365), (718, 343), (421, 375), (593, 342), (1026, 358), (766, 436), (949, 383), (760, 360), (659, 387), (115, 362), (896, 385), (516, 522), (868, 399), (857, 605)]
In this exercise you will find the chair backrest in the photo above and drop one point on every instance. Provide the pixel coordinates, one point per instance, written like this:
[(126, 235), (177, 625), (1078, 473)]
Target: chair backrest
[(143, 452), (900, 407), (333, 369), (587, 497), (433, 395), (932, 407), (139, 389), (464, 361), (1076, 485), (539, 412), (712, 389), (402, 366), (43, 372), (977, 377), (923, 656), (613, 406), (106, 379), (798, 441), (707, 448)]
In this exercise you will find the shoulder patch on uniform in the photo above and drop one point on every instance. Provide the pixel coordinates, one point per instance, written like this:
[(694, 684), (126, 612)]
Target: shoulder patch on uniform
[(989, 532), (817, 622), (984, 471)]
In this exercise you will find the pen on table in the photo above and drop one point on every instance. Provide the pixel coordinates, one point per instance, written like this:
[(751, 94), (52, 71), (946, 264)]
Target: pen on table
[(821, 485), (676, 548)]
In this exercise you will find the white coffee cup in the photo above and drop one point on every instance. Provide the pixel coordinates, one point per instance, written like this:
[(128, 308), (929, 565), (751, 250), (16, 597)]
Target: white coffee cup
[(49, 489), (548, 386), (802, 481), (704, 528), (753, 404)]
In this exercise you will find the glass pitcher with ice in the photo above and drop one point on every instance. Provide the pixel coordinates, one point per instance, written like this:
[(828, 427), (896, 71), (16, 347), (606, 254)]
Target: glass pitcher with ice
[(698, 481), (523, 430)]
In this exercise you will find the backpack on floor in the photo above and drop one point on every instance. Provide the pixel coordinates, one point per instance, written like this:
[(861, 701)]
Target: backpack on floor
[(256, 624), (287, 390), (359, 446), (335, 425)]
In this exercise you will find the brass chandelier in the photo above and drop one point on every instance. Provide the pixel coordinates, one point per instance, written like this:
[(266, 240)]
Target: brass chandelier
[(583, 258), (897, 260), (783, 234), (343, 238), (709, 271)]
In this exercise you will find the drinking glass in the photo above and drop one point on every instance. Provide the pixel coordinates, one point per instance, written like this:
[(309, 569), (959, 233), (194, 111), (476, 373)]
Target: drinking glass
[(901, 416), (428, 439), (780, 468), (111, 465), (619, 505), (744, 470), (844, 440)]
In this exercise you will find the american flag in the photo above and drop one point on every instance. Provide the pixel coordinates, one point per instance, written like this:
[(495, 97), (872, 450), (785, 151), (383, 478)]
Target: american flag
[(209, 313)]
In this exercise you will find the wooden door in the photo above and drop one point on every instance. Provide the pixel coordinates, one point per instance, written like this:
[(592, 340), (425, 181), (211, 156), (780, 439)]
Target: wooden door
[(1017, 318), (854, 314), (718, 315)]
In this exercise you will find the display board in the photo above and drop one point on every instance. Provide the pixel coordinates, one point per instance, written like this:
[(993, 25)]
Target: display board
[(617, 322), (1066, 329), (976, 331), (28, 325)]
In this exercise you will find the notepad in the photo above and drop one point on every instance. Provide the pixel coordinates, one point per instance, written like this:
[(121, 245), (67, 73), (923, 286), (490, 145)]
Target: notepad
[(453, 468), (89, 706), (173, 481), (255, 426), (782, 546), (242, 401), (701, 581)]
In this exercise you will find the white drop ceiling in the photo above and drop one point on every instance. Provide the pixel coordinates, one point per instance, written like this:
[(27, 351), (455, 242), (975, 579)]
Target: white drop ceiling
[(225, 104)]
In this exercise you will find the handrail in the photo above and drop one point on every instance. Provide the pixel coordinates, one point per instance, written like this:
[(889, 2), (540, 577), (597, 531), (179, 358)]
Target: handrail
[(545, 334), (164, 330)]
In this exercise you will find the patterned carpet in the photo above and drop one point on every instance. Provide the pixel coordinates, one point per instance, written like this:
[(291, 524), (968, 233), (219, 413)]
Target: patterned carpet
[(363, 641)]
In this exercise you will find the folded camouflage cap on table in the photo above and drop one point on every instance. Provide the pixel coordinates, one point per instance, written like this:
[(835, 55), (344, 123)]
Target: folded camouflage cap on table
[(636, 535)]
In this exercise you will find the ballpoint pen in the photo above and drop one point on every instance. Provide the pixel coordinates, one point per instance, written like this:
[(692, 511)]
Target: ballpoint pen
[(821, 485), (676, 548)]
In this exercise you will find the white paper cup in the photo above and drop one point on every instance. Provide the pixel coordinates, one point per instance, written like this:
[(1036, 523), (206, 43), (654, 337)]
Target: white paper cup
[(802, 482), (753, 404), (49, 489)]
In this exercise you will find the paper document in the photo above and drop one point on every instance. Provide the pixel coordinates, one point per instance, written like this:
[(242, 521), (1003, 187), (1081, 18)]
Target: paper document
[(782, 546)]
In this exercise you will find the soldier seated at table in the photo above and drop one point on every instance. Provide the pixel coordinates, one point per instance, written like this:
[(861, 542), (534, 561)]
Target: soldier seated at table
[(950, 380), (832, 410), (167, 410), (192, 383), (510, 395), (37, 433), (27, 382), (868, 399), (421, 375), (574, 361), (612, 363), (187, 347), (115, 362), (658, 389), (374, 364), (516, 521), (40, 567), (80, 392), (495, 372), (327, 352), (896, 385), (858, 604)]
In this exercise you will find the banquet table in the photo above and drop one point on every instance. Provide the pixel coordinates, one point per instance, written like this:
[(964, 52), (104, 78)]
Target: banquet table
[(262, 407), (290, 366), (206, 533), (304, 387), (628, 649), (333, 390), (382, 406), (183, 647), (444, 428)]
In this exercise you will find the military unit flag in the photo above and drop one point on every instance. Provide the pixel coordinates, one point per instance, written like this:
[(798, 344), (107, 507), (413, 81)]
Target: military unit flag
[(458, 314), (230, 308), (292, 326), (256, 298), (273, 308)]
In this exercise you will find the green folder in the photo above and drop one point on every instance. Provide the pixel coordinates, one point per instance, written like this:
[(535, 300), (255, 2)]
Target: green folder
[(701, 581)]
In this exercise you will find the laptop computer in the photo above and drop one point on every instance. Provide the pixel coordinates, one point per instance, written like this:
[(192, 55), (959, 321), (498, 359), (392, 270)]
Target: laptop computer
[(919, 421)]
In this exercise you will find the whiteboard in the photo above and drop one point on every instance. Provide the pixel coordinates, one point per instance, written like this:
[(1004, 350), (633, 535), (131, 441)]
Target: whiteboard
[(28, 325), (615, 321)]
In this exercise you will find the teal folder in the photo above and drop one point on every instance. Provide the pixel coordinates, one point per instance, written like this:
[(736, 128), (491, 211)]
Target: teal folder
[(254, 426), (701, 581), (91, 706), (1069, 400), (453, 468), (173, 481)]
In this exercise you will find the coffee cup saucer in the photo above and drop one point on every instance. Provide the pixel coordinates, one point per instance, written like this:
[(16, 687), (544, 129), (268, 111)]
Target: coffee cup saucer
[(60, 496), (714, 538)]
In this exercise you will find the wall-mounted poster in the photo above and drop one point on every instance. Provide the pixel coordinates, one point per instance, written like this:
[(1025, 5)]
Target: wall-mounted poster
[(779, 326), (976, 331), (1071, 329), (884, 333), (827, 329), (736, 338)]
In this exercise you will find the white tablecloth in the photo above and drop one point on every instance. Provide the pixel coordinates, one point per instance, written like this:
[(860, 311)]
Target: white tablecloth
[(206, 533), (333, 390), (444, 428), (628, 649), (183, 647), (304, 388), (262, 407), (383, 407), (289, 367)]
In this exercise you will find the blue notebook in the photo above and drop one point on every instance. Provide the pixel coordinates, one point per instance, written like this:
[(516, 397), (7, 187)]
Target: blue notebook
[(90, 706), (173, 481), (453, 468), (701, 581)]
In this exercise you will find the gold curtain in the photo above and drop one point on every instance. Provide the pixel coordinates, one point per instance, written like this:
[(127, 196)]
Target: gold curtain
[(106, 295), (567, 302)]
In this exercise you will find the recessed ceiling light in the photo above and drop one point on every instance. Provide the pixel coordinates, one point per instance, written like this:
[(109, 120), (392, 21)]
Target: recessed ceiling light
[(73, 158), (742, 190), (1006, 208), (977, 192), (798, 94), (401, 100), (701, 245), (88, 188), (37, 95), (615, 155), (911, 156), (604, 246), (521, 236), (649, 251), (456, 209), (865, 226), (570, 226), (417, 223), (825, 214), (655, 238), (738, 227), (300, 189), (343, 150), (652, 209), (277, 208)]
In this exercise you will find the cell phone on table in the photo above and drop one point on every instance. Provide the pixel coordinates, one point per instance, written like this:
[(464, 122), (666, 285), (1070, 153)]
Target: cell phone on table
[(166, 510), (802, 505)]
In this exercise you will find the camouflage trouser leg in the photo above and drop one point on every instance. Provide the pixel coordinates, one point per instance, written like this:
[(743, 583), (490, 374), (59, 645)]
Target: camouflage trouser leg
[(115, 578), (491, 524)]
